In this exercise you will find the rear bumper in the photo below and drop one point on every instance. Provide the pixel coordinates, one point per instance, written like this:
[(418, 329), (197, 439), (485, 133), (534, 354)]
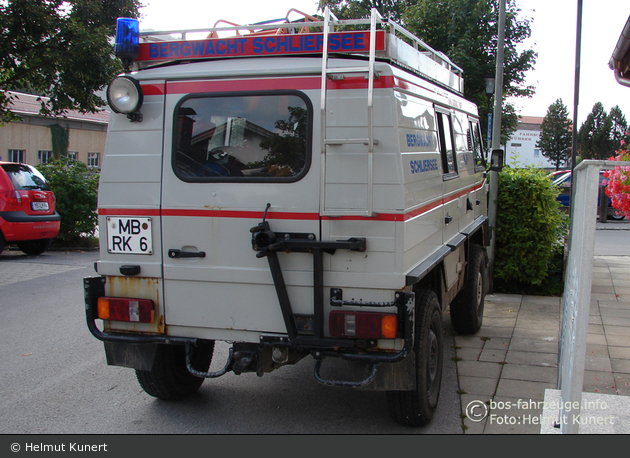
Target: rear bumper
[(18, 226), (94, 287)]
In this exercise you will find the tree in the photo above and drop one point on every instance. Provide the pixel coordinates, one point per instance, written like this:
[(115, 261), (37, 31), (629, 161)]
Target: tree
[(602, 133), (59, 49), (466, 31), (618, 128), (354, 9), (556, 136)]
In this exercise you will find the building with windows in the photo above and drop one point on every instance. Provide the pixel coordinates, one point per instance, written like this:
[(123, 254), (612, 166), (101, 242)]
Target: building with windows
[(30, 140), (521, 149)]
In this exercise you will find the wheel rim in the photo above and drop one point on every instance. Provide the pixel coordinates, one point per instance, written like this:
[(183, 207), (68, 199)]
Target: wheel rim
[(479, 292), (432, 368)]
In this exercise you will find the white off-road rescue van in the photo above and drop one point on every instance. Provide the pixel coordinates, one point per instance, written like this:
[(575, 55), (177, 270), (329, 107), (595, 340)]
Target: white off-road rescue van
[(295, 188)]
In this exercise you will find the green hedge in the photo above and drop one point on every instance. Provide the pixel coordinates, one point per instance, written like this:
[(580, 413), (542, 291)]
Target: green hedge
[(75, 186), (531, 230)]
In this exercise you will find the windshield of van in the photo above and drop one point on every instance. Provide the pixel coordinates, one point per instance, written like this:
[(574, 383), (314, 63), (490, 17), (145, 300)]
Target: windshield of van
[(25, 177), (241, 138)]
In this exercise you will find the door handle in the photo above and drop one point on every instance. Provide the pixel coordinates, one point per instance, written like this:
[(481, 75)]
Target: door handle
[(448, 219), (173, 253)]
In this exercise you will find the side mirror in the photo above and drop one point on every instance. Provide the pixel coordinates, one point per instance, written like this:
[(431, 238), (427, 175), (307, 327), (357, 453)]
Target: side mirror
[(496, 160)]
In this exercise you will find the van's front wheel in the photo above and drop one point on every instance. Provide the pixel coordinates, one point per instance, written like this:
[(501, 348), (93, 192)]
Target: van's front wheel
[(416, 408), (169, 379)]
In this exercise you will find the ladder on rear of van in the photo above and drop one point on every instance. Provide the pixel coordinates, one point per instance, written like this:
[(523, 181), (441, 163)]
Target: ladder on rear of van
[(369, 141)]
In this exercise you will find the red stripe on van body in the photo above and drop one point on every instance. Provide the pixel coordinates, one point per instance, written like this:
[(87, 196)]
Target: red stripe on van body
[(153, 89), (296, 216), (266, 84)]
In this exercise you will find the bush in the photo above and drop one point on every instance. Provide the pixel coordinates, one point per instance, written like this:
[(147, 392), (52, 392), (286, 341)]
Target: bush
[(531, 230), (75, 187)]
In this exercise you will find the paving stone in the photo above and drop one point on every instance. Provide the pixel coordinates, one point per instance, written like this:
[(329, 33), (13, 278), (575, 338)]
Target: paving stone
[(478, 369), (596, 339), (593, 362), (468, 342), (547, 335), (596, 329), (615, 312), (599, 382), (505, 298), (523, 390), (533, 345), (618, 341), (616, 330), (539, 316), (493, 355), (489, 321), (468, 353), (619, 352), (499, 312), (480, 386), (542, 300), (496, 331), (532, 359), (530, 373), (615, 321), (603, 296), (622, 383), (538, 325), (620, 365), (497, 343), (601, 288), (614, 304)]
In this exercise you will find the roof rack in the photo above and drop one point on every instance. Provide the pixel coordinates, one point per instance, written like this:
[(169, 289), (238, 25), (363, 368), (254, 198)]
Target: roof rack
[(302, 36)]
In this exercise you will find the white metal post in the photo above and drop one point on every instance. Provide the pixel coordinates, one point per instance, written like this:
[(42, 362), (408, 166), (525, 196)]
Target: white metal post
[(577, 291)]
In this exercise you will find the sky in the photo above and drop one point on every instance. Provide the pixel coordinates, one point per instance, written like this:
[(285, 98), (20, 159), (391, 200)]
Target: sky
[(553, 38)]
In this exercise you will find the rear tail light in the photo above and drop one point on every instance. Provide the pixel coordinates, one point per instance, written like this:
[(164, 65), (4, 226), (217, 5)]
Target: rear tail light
[(363, 325), (11, 197), (126, 309)]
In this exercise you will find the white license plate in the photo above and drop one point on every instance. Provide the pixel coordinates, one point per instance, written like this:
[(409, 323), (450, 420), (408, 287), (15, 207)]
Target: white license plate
[(129, 235), (39, 206)]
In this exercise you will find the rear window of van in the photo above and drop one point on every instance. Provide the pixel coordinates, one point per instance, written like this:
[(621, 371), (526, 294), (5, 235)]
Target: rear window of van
[(242, 137)]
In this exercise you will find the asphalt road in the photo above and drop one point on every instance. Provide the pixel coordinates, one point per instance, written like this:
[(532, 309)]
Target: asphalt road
[(613, 238), (54, 378)]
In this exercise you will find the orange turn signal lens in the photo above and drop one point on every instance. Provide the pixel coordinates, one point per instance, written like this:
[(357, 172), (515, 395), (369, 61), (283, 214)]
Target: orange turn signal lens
[(389, 326)]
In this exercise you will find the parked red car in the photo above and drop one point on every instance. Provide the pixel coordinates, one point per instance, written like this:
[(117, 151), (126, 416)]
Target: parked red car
[(27, 209)]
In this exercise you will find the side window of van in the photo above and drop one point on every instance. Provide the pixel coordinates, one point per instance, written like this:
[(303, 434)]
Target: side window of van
[(447, 149), (474, 136), (242, 137)]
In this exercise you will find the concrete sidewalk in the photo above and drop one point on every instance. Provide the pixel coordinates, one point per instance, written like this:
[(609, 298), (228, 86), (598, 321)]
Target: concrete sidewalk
[(508, 371)]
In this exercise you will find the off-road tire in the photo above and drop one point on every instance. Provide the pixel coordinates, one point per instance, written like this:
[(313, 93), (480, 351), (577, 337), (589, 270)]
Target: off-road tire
[(169, 379), (34, 247), (416, 408), (467, 307)]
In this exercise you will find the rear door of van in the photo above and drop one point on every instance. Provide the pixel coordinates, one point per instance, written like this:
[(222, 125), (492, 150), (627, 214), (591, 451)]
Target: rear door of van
[(231, 147)]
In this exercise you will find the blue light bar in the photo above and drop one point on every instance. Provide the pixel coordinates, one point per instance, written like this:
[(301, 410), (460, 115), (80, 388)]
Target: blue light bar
[(127, 45)]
